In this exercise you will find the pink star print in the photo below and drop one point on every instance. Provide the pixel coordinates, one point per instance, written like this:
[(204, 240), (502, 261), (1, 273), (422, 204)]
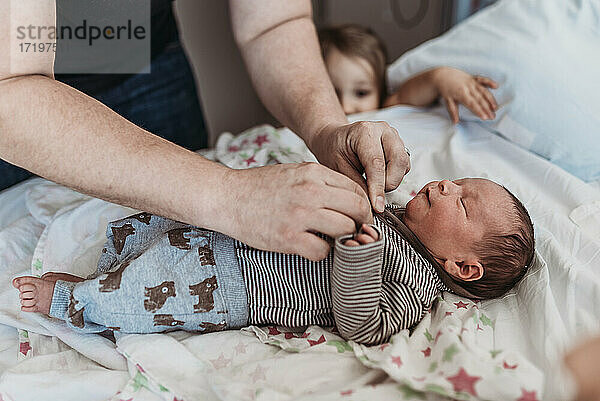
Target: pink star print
[(383, 346), (439, 333), (258, 374), (220, 362), (528, 396), (347, 392), (273, 331), (24, 348), (233, 148), (479, 327), (289, 335), (426, 352), (461, 304), (396, 360), (240, 348), (449, 313), (507, 366), (260, 139), (413, 193), (463, 382), (250, 160), (319, 341)]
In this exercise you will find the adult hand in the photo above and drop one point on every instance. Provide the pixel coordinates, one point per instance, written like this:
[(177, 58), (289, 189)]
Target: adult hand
[(374, 148), (282, 207)]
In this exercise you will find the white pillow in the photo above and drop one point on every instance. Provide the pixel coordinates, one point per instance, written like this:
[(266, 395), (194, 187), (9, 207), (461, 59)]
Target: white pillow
[(545, 54)]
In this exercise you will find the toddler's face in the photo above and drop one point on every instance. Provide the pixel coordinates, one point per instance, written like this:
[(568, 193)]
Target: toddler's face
[(450, 216), (354, 81)]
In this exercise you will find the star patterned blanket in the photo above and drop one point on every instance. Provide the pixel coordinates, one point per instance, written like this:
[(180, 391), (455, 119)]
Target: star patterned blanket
[(505, 349)]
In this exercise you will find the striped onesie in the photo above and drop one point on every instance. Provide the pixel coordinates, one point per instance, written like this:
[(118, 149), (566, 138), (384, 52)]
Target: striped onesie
[(369, 292), (155, 274)]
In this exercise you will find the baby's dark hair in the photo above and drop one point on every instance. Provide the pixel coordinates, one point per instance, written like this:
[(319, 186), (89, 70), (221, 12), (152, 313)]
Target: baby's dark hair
[(358, 41), (505, 257)]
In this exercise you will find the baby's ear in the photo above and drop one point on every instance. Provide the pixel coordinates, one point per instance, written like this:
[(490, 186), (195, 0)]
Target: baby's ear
[(470, 270)]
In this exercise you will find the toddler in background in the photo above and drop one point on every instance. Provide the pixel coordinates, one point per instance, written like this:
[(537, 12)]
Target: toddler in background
[(356, 62)]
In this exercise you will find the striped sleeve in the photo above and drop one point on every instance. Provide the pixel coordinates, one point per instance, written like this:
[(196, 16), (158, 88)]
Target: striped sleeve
[(365, 309)]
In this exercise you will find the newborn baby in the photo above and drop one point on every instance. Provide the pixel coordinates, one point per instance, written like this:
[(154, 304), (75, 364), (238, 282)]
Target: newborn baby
[(469, 236)]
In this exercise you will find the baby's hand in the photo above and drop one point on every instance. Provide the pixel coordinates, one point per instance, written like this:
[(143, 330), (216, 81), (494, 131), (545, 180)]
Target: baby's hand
[(456, 86), (366, 235)]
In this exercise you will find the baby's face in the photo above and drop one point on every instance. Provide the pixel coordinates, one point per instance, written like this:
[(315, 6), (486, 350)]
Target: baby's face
[(450, 216), (354, 81)]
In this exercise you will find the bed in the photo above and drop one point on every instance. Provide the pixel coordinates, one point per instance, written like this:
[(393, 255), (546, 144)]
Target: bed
[(503, 349)]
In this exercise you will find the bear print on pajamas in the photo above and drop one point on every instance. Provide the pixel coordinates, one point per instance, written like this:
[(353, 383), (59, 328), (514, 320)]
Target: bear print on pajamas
[(157, 296), (209, 327), (120, 234), (112, 281), (75, 316), (206, 256), (177, 239), (143, 218), (167, 320), (204, 291)]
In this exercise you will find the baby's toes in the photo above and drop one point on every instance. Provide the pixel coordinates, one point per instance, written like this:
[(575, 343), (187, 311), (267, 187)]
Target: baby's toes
[(27, 288), (19, 282), (28, 303), (27, 294)]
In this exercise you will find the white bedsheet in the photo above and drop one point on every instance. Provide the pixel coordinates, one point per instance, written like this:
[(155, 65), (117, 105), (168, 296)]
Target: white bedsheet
[(525, 332)]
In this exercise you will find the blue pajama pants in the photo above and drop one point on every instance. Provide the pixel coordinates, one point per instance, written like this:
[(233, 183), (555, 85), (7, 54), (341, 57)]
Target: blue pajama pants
[(155, 274)]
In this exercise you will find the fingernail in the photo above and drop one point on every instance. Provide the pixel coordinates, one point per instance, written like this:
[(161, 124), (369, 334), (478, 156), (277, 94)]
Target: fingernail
[(379, 204)]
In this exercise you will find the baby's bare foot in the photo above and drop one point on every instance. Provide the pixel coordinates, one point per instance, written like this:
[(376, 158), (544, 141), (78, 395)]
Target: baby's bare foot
[(35, 293)]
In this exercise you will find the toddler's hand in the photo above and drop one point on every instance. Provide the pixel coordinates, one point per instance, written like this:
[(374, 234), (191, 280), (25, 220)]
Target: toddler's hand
[(456, 86), (366, 235)]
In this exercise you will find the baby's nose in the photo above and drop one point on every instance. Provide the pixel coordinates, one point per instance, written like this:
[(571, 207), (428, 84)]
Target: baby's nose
[(444, 187)]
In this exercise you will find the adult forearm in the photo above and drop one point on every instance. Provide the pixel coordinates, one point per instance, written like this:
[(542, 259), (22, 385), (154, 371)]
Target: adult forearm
[(279, 44), (67, 137), (289, 75)]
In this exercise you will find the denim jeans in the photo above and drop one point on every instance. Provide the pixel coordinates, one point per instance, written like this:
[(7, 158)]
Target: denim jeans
[(163, 102)]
